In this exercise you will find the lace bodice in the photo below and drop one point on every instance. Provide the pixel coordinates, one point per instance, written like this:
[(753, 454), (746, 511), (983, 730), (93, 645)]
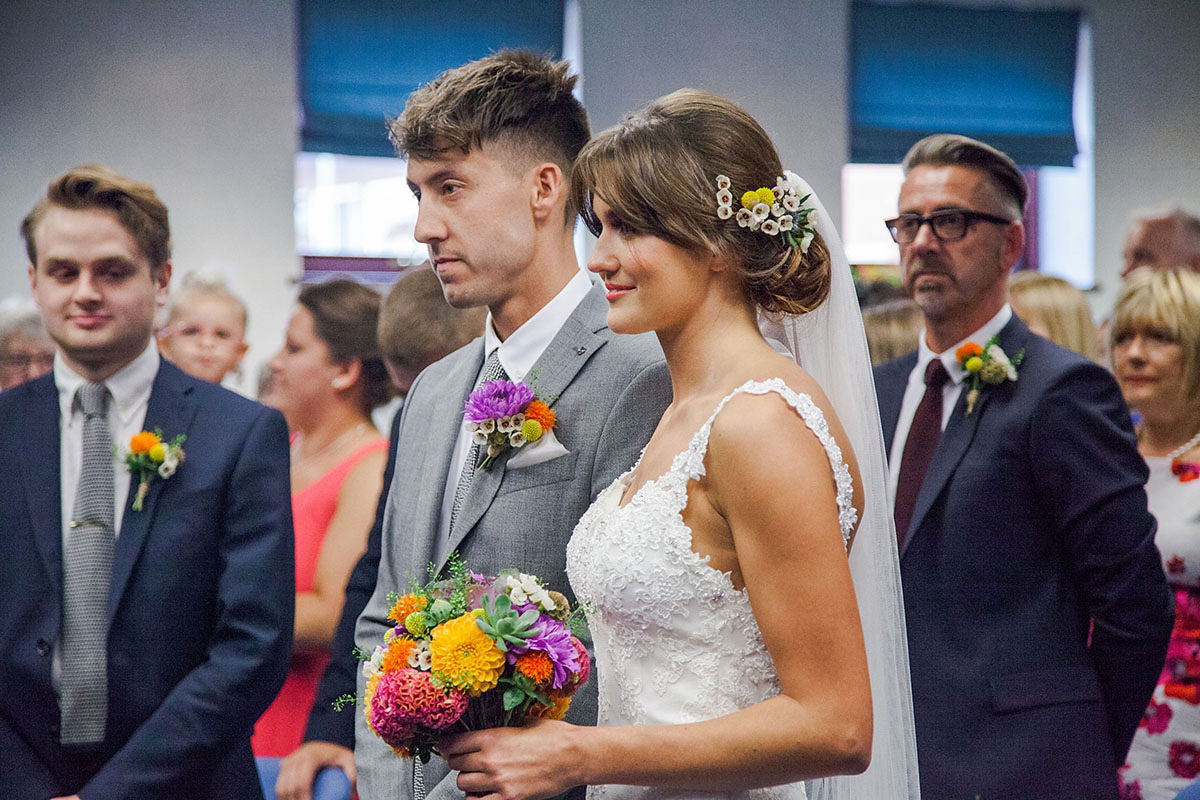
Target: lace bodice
[(675, 641)]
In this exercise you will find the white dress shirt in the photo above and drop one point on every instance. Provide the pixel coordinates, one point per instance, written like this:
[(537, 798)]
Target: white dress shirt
[(518, 353), (130, 389), (915, 390)]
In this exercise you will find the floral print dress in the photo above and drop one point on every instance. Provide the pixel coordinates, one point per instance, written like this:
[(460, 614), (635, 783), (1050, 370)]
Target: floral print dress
[(1165, 755)]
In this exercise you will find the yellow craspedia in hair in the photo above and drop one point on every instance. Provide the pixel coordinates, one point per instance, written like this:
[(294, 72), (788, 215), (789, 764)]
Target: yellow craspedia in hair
[(973, 364), (141, 443), (765, 195), (157, 452), (465, 657), (750, 199), (406, 605), (397, 653)]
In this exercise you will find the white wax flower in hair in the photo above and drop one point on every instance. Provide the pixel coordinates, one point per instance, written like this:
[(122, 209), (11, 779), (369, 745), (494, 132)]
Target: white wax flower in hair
[(724, 183), (760, 211), (744, 217), (770, 227), (785, 222), (725, 197), (724, 212)]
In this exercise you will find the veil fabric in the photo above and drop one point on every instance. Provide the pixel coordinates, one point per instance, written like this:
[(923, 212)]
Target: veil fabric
[(830, 344)]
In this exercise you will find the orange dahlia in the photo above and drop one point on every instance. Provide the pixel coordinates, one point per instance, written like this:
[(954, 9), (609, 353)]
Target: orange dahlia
[(967, 350), (141, 443), (397, 653), (536, 666)]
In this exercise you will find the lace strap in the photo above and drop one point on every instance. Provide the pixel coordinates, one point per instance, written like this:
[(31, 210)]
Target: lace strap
[(689, 465)]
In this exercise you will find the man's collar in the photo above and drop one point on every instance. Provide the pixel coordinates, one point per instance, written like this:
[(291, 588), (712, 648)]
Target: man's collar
[(129, 386), (981, 337), (521, 350)]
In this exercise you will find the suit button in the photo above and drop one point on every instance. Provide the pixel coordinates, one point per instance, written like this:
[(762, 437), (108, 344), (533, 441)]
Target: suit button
[(55, 729), (43, 647)]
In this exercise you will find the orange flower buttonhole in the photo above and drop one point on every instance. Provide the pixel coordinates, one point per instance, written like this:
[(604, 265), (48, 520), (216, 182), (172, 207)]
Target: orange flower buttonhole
[(141, 443)]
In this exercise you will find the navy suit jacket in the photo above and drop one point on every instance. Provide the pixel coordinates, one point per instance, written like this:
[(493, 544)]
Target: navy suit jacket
[(1038, 613), (200, 608)]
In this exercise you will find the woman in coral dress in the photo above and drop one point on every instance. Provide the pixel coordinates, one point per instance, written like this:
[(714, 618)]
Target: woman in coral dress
[(326, 379)]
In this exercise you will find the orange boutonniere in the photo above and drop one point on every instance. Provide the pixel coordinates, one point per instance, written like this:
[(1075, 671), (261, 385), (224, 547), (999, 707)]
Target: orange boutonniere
[(986, 365), (149, 456)]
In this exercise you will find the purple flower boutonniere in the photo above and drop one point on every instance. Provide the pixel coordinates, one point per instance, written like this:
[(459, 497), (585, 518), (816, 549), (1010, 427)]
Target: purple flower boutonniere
[(507, 415)]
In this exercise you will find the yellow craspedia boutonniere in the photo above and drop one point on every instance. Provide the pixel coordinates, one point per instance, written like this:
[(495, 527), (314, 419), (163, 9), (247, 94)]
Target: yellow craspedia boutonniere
[(150, 456), (987, 364)]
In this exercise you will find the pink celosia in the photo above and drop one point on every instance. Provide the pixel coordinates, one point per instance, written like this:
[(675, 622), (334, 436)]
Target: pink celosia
[(407, 698)]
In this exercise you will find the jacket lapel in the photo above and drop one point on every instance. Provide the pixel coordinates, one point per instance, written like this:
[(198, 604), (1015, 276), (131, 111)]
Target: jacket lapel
[(575, 343), (170, 409), (43, 478), (957, 437)]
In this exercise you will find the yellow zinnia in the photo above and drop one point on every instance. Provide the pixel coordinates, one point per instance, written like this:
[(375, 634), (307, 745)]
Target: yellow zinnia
[(464, 656)]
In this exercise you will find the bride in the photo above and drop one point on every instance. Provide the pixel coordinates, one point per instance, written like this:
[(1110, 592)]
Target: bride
[(748, 628)]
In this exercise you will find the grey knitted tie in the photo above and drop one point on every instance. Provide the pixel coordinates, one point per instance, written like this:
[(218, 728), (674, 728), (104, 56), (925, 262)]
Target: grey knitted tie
[(87, 572), (492, 370)]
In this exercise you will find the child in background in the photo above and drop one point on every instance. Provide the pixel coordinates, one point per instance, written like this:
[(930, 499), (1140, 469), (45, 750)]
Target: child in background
[(205, 331)]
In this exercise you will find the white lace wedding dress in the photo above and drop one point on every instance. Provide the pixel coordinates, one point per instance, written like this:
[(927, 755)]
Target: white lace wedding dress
[(675, 642)]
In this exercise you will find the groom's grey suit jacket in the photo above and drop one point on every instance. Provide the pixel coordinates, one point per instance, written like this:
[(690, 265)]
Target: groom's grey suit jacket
[(608, 393)]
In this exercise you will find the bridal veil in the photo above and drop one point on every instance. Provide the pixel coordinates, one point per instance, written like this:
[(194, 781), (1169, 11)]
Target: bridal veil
[(830, 344)]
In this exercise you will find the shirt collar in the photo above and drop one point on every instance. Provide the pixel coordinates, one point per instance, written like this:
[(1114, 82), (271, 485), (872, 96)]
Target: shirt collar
[(990, 328), (521, 350), (130, 386)]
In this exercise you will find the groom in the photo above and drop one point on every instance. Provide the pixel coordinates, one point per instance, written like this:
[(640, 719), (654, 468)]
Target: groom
[(490, 147), (1037, 610)]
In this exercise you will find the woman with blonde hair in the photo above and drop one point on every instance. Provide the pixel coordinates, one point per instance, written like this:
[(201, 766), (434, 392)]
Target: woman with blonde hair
[(1053, 308), (741, 577), (1156, 358)]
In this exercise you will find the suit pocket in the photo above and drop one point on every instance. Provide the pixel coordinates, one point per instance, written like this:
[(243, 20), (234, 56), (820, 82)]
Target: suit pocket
[(549, 472), (1018, 691)]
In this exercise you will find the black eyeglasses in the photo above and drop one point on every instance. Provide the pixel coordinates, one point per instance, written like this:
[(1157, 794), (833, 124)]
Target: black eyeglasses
[(948, 226)]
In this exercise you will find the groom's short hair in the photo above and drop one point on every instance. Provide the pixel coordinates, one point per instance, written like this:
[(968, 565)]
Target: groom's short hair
[(514, 98), (953, 150)]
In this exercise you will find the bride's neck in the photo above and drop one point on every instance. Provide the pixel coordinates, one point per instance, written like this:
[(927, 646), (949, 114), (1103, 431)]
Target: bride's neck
[(703, 353)]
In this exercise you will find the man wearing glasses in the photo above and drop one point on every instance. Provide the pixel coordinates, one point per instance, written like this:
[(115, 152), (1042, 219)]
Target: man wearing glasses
[(26, 351), (1037, 611)]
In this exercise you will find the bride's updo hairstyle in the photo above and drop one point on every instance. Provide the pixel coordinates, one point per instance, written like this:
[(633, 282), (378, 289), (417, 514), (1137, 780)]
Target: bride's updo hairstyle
[(657, 169)]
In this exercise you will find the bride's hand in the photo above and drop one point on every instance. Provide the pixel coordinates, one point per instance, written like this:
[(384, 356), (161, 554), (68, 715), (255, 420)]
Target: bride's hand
[(527, 763)]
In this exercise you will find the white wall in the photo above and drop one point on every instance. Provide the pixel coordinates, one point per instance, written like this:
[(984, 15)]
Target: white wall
[(785, 63), (196, 98)]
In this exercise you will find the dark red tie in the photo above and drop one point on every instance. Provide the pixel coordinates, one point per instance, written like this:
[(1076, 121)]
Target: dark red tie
[(918, 448)]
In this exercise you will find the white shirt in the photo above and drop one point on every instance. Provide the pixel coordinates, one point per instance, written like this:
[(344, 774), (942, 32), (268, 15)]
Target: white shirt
[(130, 395), (915, 389), (518, 353), (130, 389)]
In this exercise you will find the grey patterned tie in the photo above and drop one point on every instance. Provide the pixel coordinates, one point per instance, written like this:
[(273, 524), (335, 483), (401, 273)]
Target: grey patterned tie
[(492, 370), (87, 572)]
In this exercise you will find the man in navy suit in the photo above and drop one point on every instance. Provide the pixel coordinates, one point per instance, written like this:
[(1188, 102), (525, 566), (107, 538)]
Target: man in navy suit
[(1038, 614), (192, 602)]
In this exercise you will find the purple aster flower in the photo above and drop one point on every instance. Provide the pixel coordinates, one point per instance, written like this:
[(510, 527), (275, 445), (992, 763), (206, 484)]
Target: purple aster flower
[(496, 399), (554, 640)]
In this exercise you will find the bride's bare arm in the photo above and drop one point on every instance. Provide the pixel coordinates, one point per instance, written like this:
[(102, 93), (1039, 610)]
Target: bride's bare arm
[(770, 480)]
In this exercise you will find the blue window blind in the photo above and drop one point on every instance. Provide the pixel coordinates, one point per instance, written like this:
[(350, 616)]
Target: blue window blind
[(360, 59), (1001, 75)]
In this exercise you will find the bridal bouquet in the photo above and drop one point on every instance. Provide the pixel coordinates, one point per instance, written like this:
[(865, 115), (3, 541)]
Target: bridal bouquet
[(469, 653)]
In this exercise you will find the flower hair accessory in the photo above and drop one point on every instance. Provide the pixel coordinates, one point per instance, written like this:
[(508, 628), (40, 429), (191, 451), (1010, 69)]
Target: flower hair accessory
[(776, 212), (148, 457), (507, 415), (986, 365)]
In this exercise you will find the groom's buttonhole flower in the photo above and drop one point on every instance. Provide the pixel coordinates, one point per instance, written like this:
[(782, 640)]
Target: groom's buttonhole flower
[(986, 364), (506, 415)]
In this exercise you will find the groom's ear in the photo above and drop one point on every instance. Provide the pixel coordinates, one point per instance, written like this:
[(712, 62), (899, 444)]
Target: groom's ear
[(549, 191)]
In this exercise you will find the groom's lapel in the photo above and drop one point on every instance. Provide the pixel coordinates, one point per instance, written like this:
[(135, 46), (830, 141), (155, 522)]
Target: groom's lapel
[(575, 343), (171, 409), (442, 422)]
